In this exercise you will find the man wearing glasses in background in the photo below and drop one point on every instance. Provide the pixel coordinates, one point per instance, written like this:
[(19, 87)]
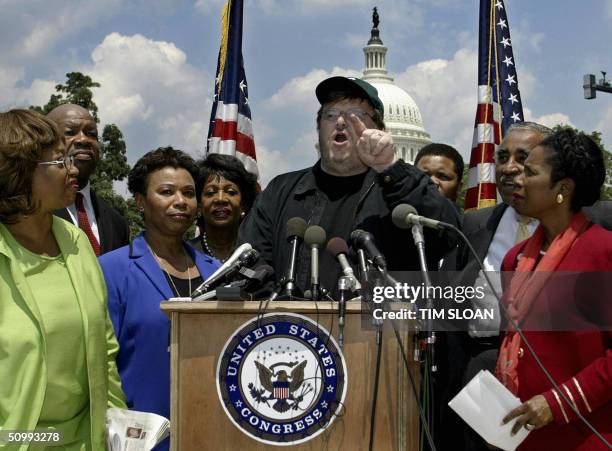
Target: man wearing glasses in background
[(105, 228), (355, 185)]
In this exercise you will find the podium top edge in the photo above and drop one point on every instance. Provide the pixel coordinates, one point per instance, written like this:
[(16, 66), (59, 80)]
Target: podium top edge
[(352, 307)]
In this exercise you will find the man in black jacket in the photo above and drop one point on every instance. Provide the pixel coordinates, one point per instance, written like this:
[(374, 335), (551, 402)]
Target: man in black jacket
[(105, 228), (355, 185)]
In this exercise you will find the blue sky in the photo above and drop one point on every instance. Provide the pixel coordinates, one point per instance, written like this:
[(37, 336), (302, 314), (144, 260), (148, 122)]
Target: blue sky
[(156, 61)]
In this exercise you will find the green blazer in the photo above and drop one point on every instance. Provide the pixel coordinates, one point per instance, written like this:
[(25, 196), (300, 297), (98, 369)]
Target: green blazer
[(23, 356)]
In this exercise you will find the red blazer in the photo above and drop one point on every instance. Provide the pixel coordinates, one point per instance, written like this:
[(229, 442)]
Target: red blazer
[(580, 361)]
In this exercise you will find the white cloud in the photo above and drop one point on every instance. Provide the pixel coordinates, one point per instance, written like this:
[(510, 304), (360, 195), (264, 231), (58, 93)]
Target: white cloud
[(445, 91), (57, 20), (13, 94), (152, 92), (271, 163), (300, 91), (550, 119)]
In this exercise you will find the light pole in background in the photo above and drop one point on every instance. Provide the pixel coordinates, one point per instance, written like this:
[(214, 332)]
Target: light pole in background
[(591, 86)]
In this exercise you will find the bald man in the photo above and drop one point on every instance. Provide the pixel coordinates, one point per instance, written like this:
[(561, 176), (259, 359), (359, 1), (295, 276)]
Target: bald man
[(104, 226)]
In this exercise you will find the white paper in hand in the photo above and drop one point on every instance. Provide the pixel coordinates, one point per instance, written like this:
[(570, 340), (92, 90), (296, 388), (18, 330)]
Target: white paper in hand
[(482, 404)]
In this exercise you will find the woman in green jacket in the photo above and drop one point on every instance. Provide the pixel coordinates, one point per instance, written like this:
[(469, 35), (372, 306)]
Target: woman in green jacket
[(57, 347)]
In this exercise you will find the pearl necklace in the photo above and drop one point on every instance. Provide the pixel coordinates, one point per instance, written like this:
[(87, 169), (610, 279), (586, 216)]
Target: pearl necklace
[(208, 249), (168, 274)]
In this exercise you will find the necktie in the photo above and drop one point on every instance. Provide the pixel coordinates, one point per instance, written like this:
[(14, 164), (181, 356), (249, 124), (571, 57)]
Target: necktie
[(84, 223), (522, 233)]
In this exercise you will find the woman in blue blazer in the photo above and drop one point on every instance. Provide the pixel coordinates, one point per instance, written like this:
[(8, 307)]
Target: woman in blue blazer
[(156, 266)]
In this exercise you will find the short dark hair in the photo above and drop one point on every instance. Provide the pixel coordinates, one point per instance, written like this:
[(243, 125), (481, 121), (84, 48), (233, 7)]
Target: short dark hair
[(232, 169), (443, 150), (576, 156), (138, 178), (336, 96), (24, 136)]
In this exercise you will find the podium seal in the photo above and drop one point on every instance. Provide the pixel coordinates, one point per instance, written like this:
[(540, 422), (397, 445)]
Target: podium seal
[(281, 379)]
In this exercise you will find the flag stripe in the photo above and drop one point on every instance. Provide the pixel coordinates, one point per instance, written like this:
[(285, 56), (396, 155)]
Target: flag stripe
[(484, 153)]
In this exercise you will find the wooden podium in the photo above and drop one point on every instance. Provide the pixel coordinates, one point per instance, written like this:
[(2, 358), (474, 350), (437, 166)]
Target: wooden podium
[(199, 333)]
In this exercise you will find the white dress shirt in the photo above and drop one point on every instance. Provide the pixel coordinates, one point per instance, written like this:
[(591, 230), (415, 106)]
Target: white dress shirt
[(502, 242), (86, 192)]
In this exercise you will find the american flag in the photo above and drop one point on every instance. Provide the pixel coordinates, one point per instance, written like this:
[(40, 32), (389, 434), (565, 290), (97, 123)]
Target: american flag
[(498, 97), (231, 129), (281, 390)]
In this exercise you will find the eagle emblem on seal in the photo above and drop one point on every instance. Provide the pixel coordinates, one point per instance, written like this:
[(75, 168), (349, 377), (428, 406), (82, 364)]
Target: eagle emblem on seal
[(287, 390)]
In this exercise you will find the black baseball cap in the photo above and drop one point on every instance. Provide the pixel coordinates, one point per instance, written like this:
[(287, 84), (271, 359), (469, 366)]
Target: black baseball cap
[(351, 85)]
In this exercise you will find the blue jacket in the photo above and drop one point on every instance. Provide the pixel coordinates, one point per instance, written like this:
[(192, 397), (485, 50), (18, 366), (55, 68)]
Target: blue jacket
[(136, 285)]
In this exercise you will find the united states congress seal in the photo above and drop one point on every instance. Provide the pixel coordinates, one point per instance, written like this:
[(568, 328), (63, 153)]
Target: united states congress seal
[(281, 379)]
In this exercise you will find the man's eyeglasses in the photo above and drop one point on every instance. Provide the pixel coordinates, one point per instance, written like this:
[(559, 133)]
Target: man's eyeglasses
[(332, 114), (66, 162)]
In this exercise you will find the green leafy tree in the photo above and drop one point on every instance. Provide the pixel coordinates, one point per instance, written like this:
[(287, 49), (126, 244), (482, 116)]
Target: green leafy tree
[(113, 165), (77, 90)]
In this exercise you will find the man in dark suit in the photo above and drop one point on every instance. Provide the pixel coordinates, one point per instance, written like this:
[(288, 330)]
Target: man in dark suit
[(105, 228), (492, 231)]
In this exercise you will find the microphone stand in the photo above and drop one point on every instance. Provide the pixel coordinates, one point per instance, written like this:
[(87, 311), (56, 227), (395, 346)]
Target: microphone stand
[(289, 282), (430, 364)]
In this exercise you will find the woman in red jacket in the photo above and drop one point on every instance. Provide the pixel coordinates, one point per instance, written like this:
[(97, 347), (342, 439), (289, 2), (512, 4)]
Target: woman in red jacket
[(565, 319), (562, 175)]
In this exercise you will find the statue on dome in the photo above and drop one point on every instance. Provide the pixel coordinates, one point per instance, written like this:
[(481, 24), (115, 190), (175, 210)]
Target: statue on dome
[(375, 17)]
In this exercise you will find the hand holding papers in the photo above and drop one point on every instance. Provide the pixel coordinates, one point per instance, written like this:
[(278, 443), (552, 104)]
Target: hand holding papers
[(129, 430), (482, 404)]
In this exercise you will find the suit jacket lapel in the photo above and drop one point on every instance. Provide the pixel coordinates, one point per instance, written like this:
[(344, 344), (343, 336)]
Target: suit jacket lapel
[(147, 263), (63, 213), (103, 227), (486, 230)]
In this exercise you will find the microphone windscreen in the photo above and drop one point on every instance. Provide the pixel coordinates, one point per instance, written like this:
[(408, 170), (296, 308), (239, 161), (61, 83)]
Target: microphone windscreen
[(315, 235), (399, 214), (337, 246), (249, 257), (357, 237), (296, 227), (265, 272)]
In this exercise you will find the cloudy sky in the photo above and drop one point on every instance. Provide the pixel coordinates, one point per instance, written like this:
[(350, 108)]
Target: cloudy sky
[(156, 59)]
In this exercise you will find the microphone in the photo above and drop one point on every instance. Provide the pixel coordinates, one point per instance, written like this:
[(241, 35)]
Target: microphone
[(232, 258), (339, 249), (361, 239), (344, 285), (405, 216), (246, 257), (295, 234), (314, 237)]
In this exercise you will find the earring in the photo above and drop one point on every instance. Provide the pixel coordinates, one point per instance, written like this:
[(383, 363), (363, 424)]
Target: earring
[(242, 214), (559, 198)]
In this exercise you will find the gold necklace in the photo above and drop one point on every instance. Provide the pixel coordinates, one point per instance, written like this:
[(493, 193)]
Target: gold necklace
[(169, 276)]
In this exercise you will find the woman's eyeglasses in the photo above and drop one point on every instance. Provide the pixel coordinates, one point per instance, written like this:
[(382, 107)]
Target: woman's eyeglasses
[(66, 162)]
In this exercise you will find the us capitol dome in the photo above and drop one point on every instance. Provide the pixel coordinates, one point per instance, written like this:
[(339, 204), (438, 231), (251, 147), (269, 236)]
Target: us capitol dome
[(402, 115)]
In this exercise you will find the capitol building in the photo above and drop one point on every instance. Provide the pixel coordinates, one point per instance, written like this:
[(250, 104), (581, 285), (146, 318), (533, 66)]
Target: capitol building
[(402, 115)]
